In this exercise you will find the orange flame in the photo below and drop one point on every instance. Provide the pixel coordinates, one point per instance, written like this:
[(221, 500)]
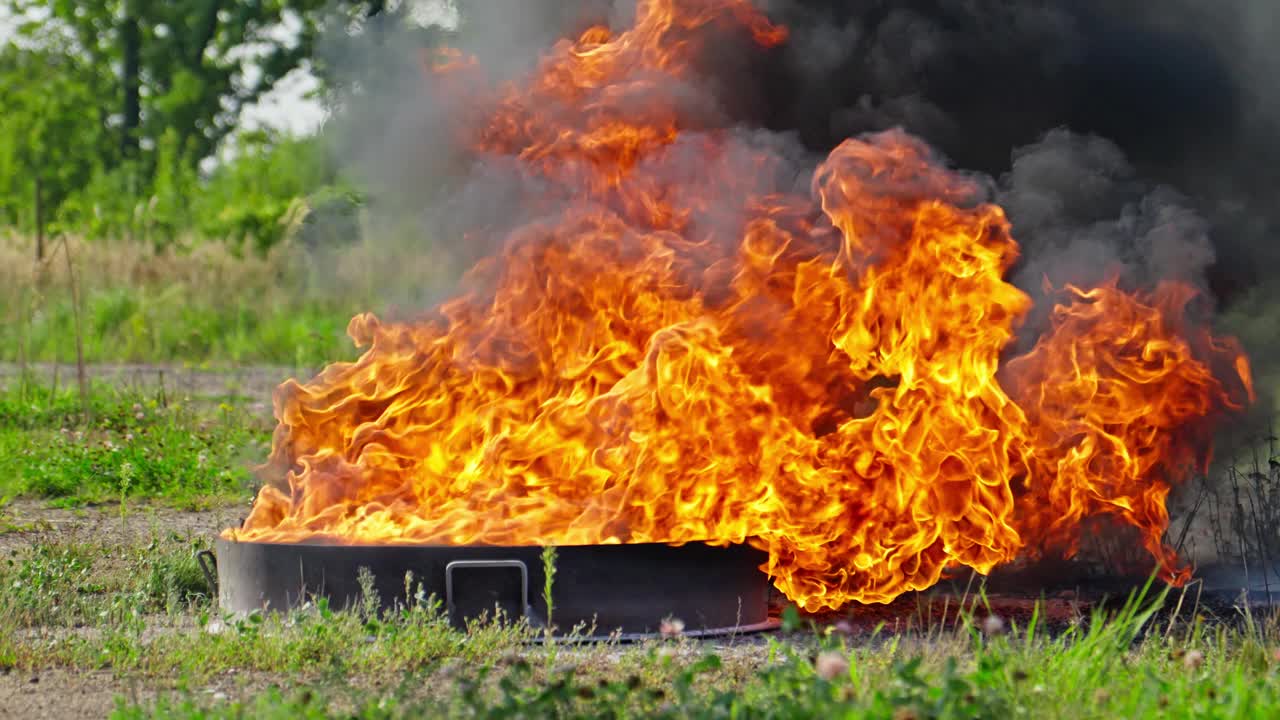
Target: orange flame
[(679, 350)]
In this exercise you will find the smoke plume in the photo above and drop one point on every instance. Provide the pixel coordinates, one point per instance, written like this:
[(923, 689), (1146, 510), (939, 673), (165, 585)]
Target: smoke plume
[(1122, 137)]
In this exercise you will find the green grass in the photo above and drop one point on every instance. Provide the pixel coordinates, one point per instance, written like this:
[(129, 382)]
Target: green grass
[(412, 663), (129, 445), (205, 304), (167, 324), (139, 610)]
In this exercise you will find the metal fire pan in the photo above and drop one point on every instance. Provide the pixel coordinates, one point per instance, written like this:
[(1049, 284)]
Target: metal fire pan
[(607, 589)]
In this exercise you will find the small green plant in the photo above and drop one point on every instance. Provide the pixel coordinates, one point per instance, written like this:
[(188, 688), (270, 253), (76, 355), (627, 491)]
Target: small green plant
[(126, 480), (548, 558), (173, 579)]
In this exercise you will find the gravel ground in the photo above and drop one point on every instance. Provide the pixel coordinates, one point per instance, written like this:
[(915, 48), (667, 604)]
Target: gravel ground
[(59, 693), (26, 522), (254, 383)]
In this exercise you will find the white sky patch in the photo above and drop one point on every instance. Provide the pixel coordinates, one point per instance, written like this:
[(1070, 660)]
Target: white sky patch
[(291, 107), (425, 13)]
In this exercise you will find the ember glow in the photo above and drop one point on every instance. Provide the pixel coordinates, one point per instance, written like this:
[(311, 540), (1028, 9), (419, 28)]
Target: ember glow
[(686, 345)]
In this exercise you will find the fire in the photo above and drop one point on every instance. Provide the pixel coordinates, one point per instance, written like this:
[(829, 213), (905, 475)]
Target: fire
[(684, 347)]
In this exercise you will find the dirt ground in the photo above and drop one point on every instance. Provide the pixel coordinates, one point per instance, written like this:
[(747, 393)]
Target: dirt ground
[(58, 693), (252, 382), (25, 522), (78, 694)]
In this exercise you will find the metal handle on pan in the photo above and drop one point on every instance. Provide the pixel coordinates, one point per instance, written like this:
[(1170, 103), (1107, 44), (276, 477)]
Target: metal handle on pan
[(519, 564), (208, 563)]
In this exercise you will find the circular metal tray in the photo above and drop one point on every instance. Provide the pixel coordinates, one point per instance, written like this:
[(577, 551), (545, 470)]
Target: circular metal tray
[(598, 591)]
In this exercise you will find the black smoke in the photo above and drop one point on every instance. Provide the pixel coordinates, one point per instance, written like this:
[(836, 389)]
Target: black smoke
[(1165, 97)]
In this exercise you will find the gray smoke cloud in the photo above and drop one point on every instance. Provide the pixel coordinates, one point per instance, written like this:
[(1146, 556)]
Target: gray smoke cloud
[(1083, 217)]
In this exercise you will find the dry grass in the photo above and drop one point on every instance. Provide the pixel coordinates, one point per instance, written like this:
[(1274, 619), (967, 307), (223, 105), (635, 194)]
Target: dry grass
[(205, 303)]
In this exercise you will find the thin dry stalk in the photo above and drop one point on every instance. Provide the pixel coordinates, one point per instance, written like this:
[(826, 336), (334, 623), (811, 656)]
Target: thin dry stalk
[(1191, 515), (81, 373), (23, 320)]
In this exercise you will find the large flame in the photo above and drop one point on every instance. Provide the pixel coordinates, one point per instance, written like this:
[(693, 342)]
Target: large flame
[(684, 347)]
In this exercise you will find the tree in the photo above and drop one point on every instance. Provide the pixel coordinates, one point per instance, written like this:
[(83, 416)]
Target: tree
[(188, 66), (50, 136)]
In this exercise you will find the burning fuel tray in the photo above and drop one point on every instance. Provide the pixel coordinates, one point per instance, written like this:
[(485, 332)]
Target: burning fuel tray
[(629, 589)]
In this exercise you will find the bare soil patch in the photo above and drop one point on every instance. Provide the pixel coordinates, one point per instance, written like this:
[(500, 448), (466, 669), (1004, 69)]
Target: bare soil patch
[(26, 522)]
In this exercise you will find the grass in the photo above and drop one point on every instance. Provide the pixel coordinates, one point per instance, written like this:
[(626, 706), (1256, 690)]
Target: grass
[(130, 445), (143, 614), (204, 304)]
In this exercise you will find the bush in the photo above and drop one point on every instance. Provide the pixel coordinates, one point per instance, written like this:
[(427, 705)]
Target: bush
[(255, 196), (262, 191)]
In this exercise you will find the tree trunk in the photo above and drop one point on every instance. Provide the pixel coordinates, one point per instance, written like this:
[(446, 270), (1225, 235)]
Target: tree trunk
[(131, 42)]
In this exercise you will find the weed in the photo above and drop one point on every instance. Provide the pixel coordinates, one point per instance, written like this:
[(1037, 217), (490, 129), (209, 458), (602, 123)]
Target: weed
[(548, 558), (134, 447)]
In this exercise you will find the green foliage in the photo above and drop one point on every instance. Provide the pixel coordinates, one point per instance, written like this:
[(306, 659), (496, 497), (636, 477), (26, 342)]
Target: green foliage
[(198, 62), (168, 324), (73, 584), (548, 558), (261, 190), (202, 307), (132, 447), (174, 188), (47, 130), (264, 189), (983, 680), (110, 203), (114, 106), (172, 578)]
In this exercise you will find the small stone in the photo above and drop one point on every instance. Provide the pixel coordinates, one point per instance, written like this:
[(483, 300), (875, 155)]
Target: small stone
[(831, 665), (993, 625), (1193, 660)]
